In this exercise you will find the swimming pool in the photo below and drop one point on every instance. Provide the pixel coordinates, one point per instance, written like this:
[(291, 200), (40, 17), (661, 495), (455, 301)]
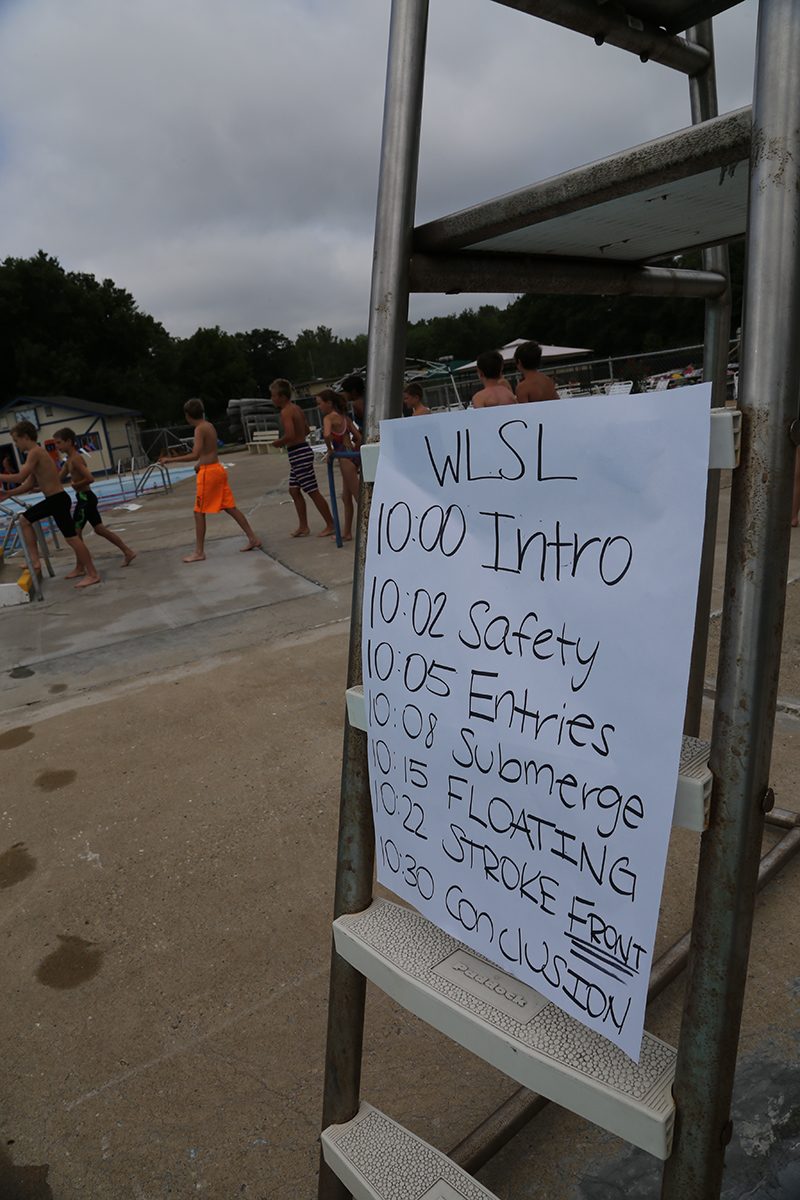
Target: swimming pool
[(112, 492)]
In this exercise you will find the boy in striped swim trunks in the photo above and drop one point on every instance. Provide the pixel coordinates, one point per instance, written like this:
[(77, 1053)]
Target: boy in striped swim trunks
[(85, 511), (213, 491), (301, 460)]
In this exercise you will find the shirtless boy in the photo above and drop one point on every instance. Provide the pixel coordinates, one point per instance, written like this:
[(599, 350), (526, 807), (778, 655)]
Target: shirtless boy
[(412, 398), (40, 471), (496, 390), (301, 460), (85, 510), (213, 491), (534, 385)]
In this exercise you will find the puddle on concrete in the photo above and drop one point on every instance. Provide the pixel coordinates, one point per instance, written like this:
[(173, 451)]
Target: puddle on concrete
[(762, 1161), (23, 1183), (72, 964), (21, 673), (51, 781), (16, 864), (15, 737)]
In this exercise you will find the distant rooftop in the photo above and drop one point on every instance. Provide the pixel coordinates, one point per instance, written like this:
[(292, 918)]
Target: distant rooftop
[(84, 406)]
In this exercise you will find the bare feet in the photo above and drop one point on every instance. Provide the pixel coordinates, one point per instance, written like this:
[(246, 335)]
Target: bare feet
[(129, 557), (254, 545), (347, 537), (75, 573), (88, 581), (329, 531), (195, 557), (300, 532)]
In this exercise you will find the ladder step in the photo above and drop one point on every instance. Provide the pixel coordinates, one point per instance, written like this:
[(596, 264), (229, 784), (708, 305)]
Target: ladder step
[(377, 1159), (692, 793), (511, 1026)]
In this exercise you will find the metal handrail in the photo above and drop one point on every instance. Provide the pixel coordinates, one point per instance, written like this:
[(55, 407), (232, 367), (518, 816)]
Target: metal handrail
[(140, 484), (355, 456)]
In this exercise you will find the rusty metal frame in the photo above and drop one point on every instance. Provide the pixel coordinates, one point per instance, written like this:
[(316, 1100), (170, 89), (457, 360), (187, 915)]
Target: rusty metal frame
[(484, 271), (607, 23), (720, 142), (644, 27), (384, 388), (752, 621), (435, 255), (703, 100)]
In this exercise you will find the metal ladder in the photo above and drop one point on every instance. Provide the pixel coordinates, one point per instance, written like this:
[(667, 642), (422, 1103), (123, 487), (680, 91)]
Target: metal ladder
[(680, 1112)]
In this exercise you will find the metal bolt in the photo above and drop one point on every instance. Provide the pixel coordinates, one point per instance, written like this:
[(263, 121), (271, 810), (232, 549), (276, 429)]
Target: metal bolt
[(768, 801)]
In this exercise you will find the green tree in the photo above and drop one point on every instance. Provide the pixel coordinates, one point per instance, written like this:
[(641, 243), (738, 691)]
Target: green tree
[(268, 355), (320, 354), (65, 333), (213, 365)]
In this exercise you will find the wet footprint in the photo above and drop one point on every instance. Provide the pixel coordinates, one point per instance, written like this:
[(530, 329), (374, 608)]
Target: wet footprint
[(15, 865), (15, 737), (51, 781), (23, 1183), (71, 964)]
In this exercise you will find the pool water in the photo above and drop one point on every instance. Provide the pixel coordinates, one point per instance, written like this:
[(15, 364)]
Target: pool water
[(111, 492)]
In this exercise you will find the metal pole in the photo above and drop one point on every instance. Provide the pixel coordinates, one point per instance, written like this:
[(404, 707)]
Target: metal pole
[(394, 223), (703, 101), (384, 393), (752, 621)]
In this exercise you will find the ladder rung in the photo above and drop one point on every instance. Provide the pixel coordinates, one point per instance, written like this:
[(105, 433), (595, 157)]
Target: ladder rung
[(512, 1026), (377, 1159), (693, 791)]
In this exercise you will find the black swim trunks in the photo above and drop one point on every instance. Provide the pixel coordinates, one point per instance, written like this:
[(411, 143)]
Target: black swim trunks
[(56, 506), (86, 510)]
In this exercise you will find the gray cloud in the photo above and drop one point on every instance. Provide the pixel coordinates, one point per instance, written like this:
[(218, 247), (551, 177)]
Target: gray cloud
[(220, 161)]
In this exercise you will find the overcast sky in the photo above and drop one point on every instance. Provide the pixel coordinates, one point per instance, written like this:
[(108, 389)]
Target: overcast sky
[(219, 158)]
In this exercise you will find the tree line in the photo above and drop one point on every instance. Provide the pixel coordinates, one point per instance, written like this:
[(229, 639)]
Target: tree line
[(66, 333)]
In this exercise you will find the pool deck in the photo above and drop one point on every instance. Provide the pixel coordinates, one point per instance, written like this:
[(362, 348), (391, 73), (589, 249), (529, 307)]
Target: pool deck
[(170, 746)]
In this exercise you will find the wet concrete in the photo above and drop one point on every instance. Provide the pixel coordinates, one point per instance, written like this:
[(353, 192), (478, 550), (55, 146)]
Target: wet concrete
[(170, 747), (763, 1159)]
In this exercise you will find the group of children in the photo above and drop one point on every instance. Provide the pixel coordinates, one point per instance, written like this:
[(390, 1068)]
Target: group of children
[(340, 430), (41, 473), (341, 434)]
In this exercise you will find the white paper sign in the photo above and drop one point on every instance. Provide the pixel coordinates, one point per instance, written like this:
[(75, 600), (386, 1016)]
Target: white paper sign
[(528, 617)]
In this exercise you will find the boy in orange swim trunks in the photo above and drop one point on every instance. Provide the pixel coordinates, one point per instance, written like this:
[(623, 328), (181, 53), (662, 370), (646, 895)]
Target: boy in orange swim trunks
[(213, 491)]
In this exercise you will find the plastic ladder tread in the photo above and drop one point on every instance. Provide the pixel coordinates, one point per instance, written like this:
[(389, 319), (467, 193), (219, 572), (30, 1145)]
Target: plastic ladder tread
[(377, 1159), (508, 1024)]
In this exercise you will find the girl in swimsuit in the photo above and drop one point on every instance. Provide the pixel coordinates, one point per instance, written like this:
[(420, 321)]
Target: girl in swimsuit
[(341, 434)]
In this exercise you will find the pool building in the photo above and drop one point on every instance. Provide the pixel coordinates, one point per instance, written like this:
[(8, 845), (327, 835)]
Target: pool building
[(106, 433)]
